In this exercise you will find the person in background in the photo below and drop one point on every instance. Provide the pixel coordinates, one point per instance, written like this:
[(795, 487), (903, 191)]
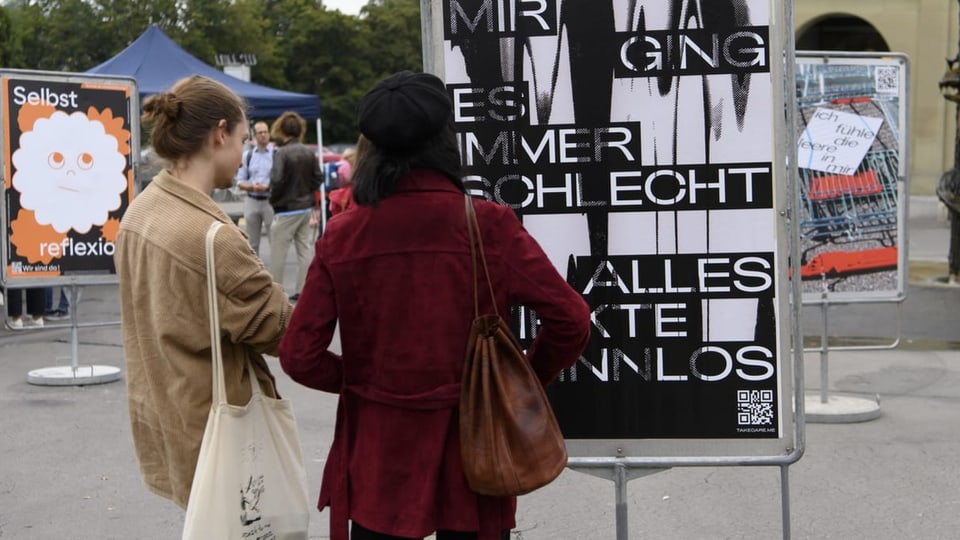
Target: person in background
[(14, 303), (294, 179), (346, 164), (342, 198), (62, 311), (253, 177), (396, 274), (199, 127)]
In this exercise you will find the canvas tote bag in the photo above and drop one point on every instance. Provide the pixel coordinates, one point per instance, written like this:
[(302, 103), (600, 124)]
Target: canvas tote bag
[(510, 441), (250, 481)]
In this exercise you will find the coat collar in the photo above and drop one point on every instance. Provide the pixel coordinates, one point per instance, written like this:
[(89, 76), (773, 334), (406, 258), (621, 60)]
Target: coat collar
[(426, 180), (194, 197)]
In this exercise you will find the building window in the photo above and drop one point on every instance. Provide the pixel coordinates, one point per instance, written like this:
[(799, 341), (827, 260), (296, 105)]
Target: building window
[(842, 34)]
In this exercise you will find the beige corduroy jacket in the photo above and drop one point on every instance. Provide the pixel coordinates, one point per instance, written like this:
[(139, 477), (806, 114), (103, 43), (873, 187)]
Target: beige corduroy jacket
[(162, 271)]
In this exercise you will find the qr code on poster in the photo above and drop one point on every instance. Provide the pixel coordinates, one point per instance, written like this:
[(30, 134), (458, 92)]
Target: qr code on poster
[(887, 79), (755, 407)]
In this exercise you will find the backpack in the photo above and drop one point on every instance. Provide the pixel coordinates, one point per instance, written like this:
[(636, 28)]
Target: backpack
[(246, 158)]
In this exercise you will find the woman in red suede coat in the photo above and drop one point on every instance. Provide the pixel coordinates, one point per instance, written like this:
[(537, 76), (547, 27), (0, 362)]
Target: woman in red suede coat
[(396, 273)]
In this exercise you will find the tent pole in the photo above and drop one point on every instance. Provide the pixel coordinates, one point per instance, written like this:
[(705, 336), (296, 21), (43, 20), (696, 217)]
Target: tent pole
[(320, 141), (323, 168)]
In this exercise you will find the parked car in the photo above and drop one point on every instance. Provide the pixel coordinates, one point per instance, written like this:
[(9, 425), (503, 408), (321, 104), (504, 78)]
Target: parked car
[(328, 155), (340, 147)]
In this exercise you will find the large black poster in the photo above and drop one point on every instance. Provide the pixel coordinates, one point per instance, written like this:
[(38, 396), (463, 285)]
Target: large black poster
[(636, 140)]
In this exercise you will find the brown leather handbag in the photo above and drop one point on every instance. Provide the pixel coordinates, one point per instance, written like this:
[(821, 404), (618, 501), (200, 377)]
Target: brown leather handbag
[(510, 441)]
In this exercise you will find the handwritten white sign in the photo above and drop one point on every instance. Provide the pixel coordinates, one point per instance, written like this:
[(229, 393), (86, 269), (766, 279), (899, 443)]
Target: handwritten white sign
[(835, 142)]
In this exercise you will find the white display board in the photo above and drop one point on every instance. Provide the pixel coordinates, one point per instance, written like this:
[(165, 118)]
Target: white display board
[(852, 158)]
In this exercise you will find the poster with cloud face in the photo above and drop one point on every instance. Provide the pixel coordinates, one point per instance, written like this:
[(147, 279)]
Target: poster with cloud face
[(68, 145), (636, 139)]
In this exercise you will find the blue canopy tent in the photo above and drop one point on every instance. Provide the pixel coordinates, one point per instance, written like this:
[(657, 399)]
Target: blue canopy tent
[(156, 62)]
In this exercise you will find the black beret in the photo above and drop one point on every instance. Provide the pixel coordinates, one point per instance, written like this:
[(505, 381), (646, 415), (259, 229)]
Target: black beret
[(404, 110)]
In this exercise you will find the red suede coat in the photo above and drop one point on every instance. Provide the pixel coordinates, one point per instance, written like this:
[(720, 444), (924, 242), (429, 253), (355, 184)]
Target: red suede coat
[(398, 279)]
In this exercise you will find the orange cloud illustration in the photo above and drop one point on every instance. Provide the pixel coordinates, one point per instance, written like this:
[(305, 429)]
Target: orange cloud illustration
[(110, 230), (29, 238), (31, 112), (113, 126)]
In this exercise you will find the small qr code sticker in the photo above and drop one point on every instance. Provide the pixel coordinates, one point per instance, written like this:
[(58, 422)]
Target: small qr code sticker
[(887, 79), (755, 407)]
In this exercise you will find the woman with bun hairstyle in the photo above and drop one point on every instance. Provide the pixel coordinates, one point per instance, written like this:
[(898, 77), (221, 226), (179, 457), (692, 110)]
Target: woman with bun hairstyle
[(395, 274), (198, 128)]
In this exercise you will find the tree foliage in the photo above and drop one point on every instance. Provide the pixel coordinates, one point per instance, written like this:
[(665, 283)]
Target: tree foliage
[(300, 45), (9, 47)]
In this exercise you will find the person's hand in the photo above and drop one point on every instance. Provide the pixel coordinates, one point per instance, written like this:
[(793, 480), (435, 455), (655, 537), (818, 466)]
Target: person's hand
[(260, 187)]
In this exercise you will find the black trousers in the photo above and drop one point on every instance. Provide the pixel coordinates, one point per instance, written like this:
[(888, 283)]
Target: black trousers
[(35, 301), (358, 532)]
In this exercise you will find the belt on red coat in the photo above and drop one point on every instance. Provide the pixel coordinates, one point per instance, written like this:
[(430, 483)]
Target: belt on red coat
[(441, 397)]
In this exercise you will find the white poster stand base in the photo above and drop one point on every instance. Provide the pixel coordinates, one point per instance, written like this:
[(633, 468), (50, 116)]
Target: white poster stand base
[(841, 409), (74, 374)]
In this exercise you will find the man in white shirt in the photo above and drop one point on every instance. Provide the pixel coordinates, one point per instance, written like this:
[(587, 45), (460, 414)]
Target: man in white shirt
[(254, 178)]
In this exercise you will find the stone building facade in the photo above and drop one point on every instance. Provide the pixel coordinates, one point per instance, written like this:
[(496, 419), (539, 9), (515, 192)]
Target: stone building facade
[(925, 30)]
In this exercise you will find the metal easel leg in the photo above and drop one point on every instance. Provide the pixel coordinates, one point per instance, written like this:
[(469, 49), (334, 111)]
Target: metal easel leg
[(620, 485), (785, 500), (836, 409)]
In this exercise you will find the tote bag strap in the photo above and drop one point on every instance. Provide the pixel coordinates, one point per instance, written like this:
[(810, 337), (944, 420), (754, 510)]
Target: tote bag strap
[(476, 245), (219, 387)]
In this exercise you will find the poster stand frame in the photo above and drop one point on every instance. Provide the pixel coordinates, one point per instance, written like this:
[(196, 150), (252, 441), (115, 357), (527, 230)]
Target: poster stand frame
[(902, 61), (74, 374), (623, 468), (824, 408)]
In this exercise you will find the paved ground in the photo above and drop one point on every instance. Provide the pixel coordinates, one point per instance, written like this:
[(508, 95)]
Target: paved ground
[(67, 470)]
